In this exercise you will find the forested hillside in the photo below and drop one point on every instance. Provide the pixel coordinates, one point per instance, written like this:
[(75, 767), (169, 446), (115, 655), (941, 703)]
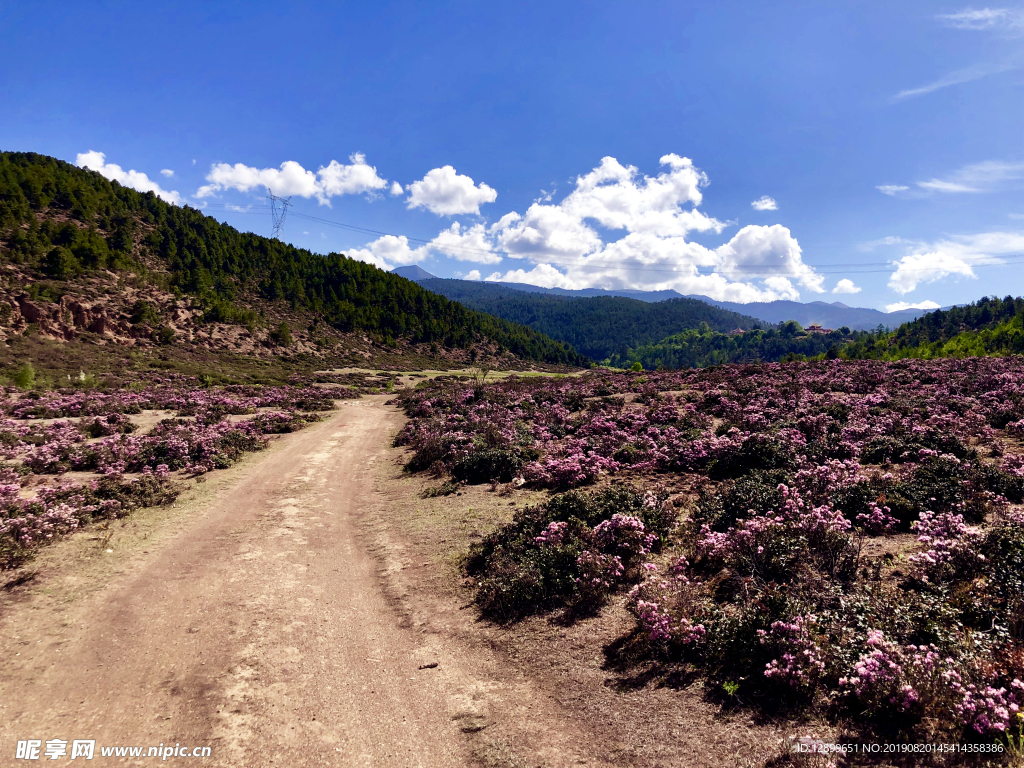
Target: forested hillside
[(65, 223), (702, 347), (989, 326), (600, 326)]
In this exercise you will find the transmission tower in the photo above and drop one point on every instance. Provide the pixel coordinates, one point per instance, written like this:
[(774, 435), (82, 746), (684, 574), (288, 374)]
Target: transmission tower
[(278, 211)]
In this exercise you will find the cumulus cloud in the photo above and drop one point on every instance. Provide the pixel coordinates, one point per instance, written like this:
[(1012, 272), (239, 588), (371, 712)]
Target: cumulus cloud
[(901, 305), (389, 251), (358, 177), (96, 161), (474, 274), (617, 197), (396, 188), (642, 260), (167, 172), (891, 189), (764, 203), (984, 18), (466, 244), (292, 179), (767, 252), (846, 286), (447, 193), (954, 256), (617, 228)]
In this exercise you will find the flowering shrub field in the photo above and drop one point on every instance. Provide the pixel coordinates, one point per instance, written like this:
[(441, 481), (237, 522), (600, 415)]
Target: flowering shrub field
[(843, 537), (46, 434)]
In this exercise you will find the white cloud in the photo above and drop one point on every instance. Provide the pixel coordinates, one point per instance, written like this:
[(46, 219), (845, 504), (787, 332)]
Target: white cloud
[(357, 178), (292, 179), (96, 161), (643, 260), (984, 18), (396, 188), (764, 203), (547, 231), (167, 172), (974, 178), (846, 286), (901, 305), (767, 251), (987, 176), (956, 255), (543, 275), (617, 197), (889, 240), (446, 193), (567, 244), (474, 274), (388, 251), (918, 268), (464, 244), (959, 77)]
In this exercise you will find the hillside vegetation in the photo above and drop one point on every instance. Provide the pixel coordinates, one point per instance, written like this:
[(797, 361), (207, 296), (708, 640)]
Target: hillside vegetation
[(989, 326), (702, 347), (598, 327), (71, 225)]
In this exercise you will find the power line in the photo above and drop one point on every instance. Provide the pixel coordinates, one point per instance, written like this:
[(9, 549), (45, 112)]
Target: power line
[(739, 270)]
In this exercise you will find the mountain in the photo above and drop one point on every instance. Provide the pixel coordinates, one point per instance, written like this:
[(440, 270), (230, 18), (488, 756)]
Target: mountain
[(834, 315), (85, 259), (648, 296), (413, 272), (417, 273), (597, 326)]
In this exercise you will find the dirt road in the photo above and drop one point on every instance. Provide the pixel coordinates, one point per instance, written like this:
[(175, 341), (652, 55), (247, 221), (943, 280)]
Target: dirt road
[(259, 630)]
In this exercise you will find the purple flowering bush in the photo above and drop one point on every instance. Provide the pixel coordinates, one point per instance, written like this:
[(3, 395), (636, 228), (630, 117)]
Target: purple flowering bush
[(46, 434), (571, 552), (853, 536)]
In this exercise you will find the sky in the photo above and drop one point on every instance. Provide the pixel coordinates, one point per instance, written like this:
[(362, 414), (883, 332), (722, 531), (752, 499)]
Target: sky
[(864, 152)]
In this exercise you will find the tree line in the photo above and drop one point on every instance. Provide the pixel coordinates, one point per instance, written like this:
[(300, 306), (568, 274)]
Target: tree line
[(64, 221)]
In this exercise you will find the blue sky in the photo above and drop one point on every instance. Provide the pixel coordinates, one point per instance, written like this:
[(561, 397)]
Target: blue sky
[(572, 144)]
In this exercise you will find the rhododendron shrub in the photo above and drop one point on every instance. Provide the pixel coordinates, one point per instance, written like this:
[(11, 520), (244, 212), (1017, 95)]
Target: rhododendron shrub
[(854, 542), (28, 522), (569, 552), (47, 433)]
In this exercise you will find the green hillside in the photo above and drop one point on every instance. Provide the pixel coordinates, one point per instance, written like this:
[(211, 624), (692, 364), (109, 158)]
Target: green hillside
[(989, 326), (599, 327), (702, 347), (65, 222)]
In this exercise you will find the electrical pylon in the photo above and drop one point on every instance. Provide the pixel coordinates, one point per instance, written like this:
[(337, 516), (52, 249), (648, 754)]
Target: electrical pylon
[(278, 211)]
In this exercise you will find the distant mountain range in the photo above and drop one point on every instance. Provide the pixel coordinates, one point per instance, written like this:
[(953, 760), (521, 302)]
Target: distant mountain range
[(597, 326), (834, 315)]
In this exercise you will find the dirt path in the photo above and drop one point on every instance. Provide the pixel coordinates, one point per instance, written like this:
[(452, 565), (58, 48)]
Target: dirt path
[(259, 630)]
